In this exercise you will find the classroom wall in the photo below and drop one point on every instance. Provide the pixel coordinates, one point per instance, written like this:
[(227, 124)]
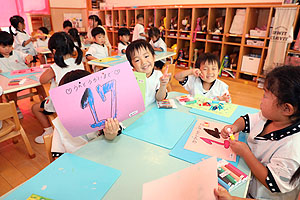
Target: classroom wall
[(68, 3), (129, 3)]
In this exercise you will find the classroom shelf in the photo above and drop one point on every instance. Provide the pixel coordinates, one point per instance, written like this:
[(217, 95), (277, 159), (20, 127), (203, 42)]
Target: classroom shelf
[(206, 39)]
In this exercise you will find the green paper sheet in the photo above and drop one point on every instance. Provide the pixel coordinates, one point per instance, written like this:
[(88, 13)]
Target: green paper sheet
[(141, 79)]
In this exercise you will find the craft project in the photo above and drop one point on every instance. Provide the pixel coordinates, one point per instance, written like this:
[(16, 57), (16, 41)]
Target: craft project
[(84, 105), (213, 106), (186, 100), (37, 197), (166, 103), (69, 177), (194, 157), (229, 176), (141, 80), (195, 182), (108, 59), (10, 76), (26, 71), (161, 127), (205, 138)]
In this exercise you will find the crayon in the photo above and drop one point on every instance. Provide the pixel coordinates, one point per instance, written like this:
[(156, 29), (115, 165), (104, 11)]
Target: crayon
[(231, 174), (228, 176), (222, 183), (190, 102), (235, 170), (225, 180)]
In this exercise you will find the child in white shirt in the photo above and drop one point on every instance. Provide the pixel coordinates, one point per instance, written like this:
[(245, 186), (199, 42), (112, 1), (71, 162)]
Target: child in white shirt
[(98, 49), (22, 41), (158, 45), (140, 55), (124, 35), (139, 30), (202, 79), (42, 42), (62, 47), (272, 153), (75, 37)]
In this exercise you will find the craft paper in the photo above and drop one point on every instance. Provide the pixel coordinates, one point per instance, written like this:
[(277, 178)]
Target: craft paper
[(161, 127), (113, 60), (84, 105), (193, 183), (69, 177), (26, 71), (108, 59), (141, 80), (206, 139), (8, 75), (226, 111)]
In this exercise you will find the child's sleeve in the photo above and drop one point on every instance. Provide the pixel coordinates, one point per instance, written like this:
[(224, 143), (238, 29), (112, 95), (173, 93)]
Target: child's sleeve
[(250, 121), (141, 29), (281, 170), (22, 56), (188, 83), (91, 51), (163, 46)]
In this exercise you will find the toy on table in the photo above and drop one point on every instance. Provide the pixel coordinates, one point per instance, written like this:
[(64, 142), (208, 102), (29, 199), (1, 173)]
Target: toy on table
[(166, 103), (186, 24), (186, 100), (229, 176)]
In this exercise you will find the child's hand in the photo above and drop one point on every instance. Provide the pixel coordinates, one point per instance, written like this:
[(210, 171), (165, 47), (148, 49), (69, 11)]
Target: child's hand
[(164, 80), (240, 148), (28, 59), (226, 97), (32, 39), (197, 73), (111, 128), (228, 129), (222, 194)]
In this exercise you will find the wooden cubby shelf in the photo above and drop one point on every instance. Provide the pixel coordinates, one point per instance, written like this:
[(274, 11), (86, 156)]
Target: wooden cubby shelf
[(214, 35)]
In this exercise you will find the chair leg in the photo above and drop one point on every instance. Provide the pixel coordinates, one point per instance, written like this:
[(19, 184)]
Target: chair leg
[(27, 143), (31, 91)]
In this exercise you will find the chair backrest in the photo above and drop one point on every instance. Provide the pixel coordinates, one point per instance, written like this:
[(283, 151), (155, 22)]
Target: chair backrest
[(8, 110), (48, 145)]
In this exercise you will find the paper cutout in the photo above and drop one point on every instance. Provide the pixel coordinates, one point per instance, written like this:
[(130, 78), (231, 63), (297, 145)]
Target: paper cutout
[(69, 177), (141, 80), (8, 75), (37, 197), (226, 110), (107, 59), (195, 182), (84, 105), (26, 71), (202, 142), (162, 127)]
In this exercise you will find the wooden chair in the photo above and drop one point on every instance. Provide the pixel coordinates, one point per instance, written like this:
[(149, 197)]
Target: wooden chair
[(48, 145), (12, 127)]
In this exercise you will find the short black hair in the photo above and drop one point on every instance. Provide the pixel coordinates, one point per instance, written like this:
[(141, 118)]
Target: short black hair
[(73, 75), (154, 32), (123, 31), (67, 23), (97, 30), (139, 16), (136, 46), (209, 57), (44, 30), (6, 39)]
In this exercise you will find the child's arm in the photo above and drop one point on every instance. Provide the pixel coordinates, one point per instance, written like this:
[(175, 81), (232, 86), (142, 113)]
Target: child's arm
[(257, 169), (28, 59), (180, 76), (162, 91), (32, 39), (90, 57), (158, 49), (222, 194), (144, 35), (236, 127), (225, 97), (111, 128), (47, 76)]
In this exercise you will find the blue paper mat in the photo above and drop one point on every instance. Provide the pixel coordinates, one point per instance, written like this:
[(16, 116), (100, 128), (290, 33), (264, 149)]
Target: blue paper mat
[(194, 157), (8, 75), (161, 127), (32, 77), (69, 177), (241, 110)]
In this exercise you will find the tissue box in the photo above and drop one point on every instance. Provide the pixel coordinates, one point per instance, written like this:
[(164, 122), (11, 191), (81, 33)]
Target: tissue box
[(258, 33), (255, 43), (250, 64)]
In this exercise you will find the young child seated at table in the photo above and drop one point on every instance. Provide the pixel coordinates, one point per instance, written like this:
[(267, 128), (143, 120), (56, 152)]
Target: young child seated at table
[(63, 142), (12, 60), (62, 47), (42, 42), (202, 79), (140, 55), (158, 45), (98, 49), (75, 37), (124, 35), (273, 154)]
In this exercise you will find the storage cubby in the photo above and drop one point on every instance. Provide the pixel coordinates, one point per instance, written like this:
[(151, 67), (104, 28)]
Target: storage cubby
[(210, 31)]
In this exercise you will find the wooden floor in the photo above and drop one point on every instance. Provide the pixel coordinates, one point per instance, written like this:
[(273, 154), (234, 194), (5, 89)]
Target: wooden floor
[(16, 166)]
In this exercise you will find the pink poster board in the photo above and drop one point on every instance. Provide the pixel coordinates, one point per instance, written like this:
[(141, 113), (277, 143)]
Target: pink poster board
[(206, 139), (195, 182), (84, 105)]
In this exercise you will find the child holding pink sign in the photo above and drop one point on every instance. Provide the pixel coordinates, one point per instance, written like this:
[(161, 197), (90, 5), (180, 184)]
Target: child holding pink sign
[(63, 142), (62, 47), (140, 55), (273, 155)]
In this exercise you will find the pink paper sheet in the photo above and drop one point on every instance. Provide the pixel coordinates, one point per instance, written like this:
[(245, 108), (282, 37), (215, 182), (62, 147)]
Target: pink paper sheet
[(83, 105), (26, 71), (199, 141), (192, 183)]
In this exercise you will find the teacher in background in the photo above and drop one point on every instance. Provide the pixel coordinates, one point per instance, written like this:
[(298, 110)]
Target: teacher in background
[(95, 21)]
